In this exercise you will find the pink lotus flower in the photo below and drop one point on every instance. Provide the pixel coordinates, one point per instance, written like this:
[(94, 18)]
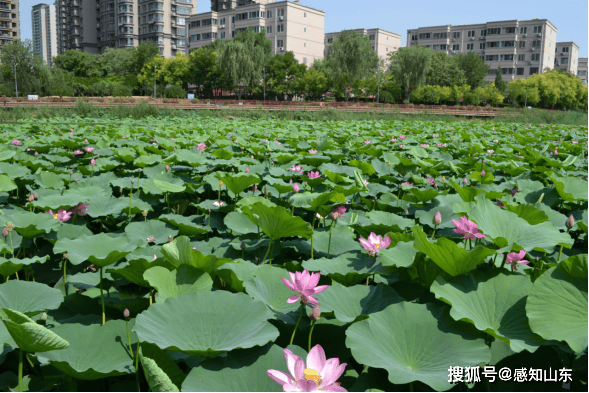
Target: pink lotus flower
[(437, 218), (402, 137), (16, 142), (469, 229), (85, 140), (92, 162), (295, 188), (338, 212), (401, 146), (61, 215), (305, 285), (393, 139), (78, 152), (89, 149), (424, 145), (295, 168), (483, 173), (375, 243), (218, 204), (365, 182), (318, 374), (366, 142), (516, 258), (313, 175), (201, 146), (431, 180), (312, 151), (80, 209), (247, 170)]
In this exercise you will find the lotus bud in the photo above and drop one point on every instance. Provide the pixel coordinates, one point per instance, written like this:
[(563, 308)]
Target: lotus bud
[(5, 231), (437, 218), (406, 212), (242, 246), (167, 167), (483, 173), (570, 222), (389, 163), (295, 188), (36, 195), (76, 180), (315, 314), (65, 256), (465, 181), (36, 153), (144, 213), (220, 183), (71, 172), (132, 181), (126, 313)]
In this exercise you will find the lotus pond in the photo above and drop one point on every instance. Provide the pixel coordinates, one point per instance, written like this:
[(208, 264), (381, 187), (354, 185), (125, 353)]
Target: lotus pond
[(260, 255)]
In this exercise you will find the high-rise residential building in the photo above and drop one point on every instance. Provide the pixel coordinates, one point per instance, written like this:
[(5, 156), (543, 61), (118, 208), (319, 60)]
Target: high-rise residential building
[(582, 70), (9, 21), (95, 25), (44, 41), (566, 56), (383, 42), (520, 48), (225, 5), (289, 25)]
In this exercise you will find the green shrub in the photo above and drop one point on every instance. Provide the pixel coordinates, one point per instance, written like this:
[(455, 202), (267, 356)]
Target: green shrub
[(122, 91), (194, 101), (101, 89), (175, 91)]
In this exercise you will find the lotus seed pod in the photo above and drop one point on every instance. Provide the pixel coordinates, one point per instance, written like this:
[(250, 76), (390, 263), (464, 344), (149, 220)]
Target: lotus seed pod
[(570, 222), (242, 246), (126, 313), (315, 314), (220, 183), (144, 213), (437, 218)]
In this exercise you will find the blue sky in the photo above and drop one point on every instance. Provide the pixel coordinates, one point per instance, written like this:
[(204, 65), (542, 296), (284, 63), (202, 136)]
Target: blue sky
[(570, 17)]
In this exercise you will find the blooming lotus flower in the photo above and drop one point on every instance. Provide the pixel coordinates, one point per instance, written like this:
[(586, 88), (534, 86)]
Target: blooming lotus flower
[(516, 258), (375, 243), (338, 212), (312, 151), (402, 137), (16, 142), (424, 145), (431, 180), (490, 151), (406, 183), (85, 140), (401, 146), (295, 188), (313, 175), (295, 168), (217, 203), (305, 285), (319, 216), (393, 139), (89, 149), (201, 146), (365, 182), (80, 209), (366, 142), (78, 152), (247, 170), (318, 374), (469, 229), (61, 215)]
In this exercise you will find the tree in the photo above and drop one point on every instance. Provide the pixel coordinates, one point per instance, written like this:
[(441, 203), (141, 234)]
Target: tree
[(175, 70), (349, 59), (522, 91), (242, 63), (315, 82), (204, 69), (284, 74), (380, 74), (474, 67), (141, 55), (499, 82), (409, 66), (28, 67), (444, 70), (116, 62), (81, 64), (145, 77)]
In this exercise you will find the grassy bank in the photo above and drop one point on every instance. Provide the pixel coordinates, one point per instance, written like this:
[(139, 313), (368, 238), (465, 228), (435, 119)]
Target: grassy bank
[(143, 110)]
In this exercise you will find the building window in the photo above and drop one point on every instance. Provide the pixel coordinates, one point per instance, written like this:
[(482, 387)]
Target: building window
[(494, 31), (280, 12), (280, 43), (304, 45), (184, 10), (564, 61), (520, 71), (522, 44), (280, 28), (371, 37), (492, 57), (508, 71), (470, 33), (180, 31), (440, 47), (523, 30), (455, 47), (508, 30), (425, 36), (494, 44), (483, 33), (507, 44), (565, 49), (330, 40), (305, 29), (413, 37), (440, 35), (582, 73), (537, 29), (469, 47), (521, 57), (482, 46), (456, 34), (268, 14), (506, 57), (223, 35), (180, 21), (493, 72), (535, 57), (533, 70), (536, 43), (268, 29), (305, 14)]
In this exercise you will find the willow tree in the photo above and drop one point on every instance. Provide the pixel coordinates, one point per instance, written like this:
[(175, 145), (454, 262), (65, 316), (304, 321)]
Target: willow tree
[(241, 63), (409, 67)]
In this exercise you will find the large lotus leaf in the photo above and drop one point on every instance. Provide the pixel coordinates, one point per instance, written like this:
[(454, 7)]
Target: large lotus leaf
[(383, 222), (6, 183), (161, 371), (147, 160), (570, 188), (302, 199), (350, 302), (13, 265), (206, 324), (506, 228), (28, 335), (133, 271), (529, 212), (402, 255), (443, 204), (179, 252), (557, 303), (346, 269), (268, 287), (102, 206), (187, 226), (414, 342), (236, 274), (342, 240), (416, 195), (447, 255), (29, 297), (101, 250), (168, 187), (240, 224), (166, 181), (95, 351), (494, 304), (49, 180), (30, 225), (241, 371), (141, 230), (183, 280), (238, 183), (277, 222), (322, 199), (532, 190)]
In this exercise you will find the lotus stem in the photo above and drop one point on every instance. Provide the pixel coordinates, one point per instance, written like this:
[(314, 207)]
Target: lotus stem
[(299, 321), (267, 252), (137, 368), (433, 234), (16, 273), (312, 244), (150, 296), (128, 337), (504, 260), (329, 244), (168, 198), (293, 210), (410, 386), (130, 201), (20, 366), (102, 299), (310, 333), (65, 275), (559, 254)]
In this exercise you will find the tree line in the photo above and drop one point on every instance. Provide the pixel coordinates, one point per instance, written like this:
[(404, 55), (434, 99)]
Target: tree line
[(246, 66)]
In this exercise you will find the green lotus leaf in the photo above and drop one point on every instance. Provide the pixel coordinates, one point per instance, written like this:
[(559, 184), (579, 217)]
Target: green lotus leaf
[(161, 371), (239, 223), (141, 230), (10, 266), (401, 255), (49, 180), (421, 196), (557, 303), (134, 269), (149, 186), (443, 204), (102, 206), (179, 252), (101, 250), (570, 188), (147, 160), (168, 187), (506, 228), (84, 359), (31, 225), (494, 304), (529, 212), (447, 255), (241, 371), (6, 183), (236, 274), (187, 226), (29, 297), (206, 324), (277, 222), (348, 303), (414, 342), (239, 182), (28, 335), (302, 199), (322, 199), (268, 287), (185, 279), (382, 222), (348, 269)]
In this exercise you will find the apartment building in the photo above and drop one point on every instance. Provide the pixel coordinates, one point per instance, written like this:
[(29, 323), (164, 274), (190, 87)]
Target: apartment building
[(290, 26), (95, 25), (383, 42), (582, 70), (520, 48), (43, 22), (9, 21), (566, 57), (226, 5)]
